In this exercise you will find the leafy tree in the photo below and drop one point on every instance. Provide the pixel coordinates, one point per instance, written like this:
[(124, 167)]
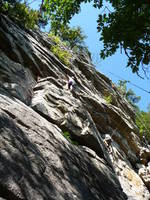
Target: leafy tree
[(20, 13), (61, 11), (142, 119), (148, 107), (122, 86), (73, 36), (127, 27), (132, 98), (128, 93), (60, 50), (143, 123)]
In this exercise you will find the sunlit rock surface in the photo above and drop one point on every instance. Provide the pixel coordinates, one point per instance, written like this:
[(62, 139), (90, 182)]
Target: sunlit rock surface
[(36, 161)]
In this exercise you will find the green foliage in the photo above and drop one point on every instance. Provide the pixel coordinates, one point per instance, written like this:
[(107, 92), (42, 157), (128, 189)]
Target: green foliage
[(126, 27), (132, 98), (142, 118), (148, 107), (59, 49), (61, 11), (143, 123), (69, 138), (74, 37), (122, 86), (55, 39), (108, 99), (62, 54), (128, 93), (20, 13)]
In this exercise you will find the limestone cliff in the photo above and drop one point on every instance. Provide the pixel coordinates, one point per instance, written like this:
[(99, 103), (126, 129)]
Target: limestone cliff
[(36, 161)]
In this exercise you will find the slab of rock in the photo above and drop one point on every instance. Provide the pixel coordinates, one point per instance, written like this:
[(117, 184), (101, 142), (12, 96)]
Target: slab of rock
[(144, 173), (36, 161)]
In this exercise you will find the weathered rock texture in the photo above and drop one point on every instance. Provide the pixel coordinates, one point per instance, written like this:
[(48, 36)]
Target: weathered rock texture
[(36, 161)]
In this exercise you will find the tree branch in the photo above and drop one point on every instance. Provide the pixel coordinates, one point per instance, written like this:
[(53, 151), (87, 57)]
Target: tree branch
[(41, 6)]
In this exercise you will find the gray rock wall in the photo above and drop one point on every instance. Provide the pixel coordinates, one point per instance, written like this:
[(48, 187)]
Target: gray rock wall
[(36, 161)]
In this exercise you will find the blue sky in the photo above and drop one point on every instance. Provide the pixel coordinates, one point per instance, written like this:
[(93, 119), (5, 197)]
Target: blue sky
[(115, 64)]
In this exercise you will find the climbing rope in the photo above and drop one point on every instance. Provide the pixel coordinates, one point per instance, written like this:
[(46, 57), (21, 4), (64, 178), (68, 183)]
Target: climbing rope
[(31, 2), (130, 83)]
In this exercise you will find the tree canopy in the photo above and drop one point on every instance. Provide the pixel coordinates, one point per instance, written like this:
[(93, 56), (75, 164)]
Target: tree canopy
[(126, 27), (21, 13), (73, 36), (142, 119), (143, 123), (61, 11), (129, 94)]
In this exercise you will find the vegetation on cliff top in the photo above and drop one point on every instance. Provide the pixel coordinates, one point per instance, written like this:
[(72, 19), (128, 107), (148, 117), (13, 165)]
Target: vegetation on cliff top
[(143, 123), (142, 119), (125, 26), (20, 13), (60, 50)]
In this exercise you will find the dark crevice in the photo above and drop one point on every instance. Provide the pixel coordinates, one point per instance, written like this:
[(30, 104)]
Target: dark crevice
[(7, 194), (22, 123), (82, 140), (45, 116), (87, 141), (9, 113)]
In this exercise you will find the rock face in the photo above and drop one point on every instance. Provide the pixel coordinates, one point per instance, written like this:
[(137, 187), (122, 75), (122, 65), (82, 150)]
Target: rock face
[(36, 161)]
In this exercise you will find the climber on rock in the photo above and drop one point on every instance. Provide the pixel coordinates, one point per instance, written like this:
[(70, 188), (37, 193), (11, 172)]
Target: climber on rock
[(107, 142), (71, 83)]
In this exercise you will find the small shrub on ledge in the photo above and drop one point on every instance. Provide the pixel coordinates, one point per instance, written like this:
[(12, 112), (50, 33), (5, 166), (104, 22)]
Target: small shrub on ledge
[(68, 136), (108, 99), (59, 49)]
